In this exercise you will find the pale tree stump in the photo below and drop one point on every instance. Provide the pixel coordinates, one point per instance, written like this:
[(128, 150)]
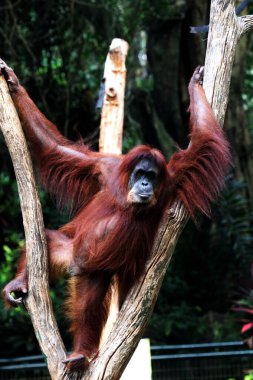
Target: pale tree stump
[(112, 117)]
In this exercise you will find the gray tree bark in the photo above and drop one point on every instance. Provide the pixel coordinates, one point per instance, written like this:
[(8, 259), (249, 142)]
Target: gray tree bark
[(38, 302)]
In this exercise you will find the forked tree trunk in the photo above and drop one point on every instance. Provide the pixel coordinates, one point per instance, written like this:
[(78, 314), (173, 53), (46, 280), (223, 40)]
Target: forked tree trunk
[(225, 31)]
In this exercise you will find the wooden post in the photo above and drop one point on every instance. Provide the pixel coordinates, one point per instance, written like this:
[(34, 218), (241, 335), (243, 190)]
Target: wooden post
[(112, 117)]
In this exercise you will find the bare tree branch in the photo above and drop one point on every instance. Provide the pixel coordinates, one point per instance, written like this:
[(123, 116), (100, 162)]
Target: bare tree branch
[(246, 23), (38, 301)]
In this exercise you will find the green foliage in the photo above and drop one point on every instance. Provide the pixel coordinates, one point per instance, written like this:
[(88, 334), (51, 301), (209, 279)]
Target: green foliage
[(249, 376), (233, 229), (15, 327), (9, 201), (209, 265), (11, 241)]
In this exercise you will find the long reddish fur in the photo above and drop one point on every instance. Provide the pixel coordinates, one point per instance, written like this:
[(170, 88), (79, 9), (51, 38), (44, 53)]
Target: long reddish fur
[(195, 176)]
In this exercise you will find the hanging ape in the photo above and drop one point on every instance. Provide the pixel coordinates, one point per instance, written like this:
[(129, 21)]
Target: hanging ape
[(118, 203)]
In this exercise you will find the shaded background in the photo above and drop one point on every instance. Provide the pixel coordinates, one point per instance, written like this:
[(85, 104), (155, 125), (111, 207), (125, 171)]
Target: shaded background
[(58, 49)]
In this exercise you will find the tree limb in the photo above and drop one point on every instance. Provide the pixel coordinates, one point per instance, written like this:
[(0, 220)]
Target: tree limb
[(205, 28), (137, 309), (38, 301), (225, 31)]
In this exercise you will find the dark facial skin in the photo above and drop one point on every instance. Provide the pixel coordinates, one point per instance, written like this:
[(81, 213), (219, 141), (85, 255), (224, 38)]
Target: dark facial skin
[(143, 181)]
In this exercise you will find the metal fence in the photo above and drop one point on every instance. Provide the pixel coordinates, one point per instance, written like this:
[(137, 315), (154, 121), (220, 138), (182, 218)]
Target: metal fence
[(24, 368), (211, 361)]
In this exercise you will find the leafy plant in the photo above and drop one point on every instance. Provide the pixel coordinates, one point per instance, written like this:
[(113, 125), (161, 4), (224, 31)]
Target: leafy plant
[(245, 306)]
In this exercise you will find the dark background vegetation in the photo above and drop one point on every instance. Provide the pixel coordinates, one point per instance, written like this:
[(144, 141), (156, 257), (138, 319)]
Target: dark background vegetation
[(58, 49)]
